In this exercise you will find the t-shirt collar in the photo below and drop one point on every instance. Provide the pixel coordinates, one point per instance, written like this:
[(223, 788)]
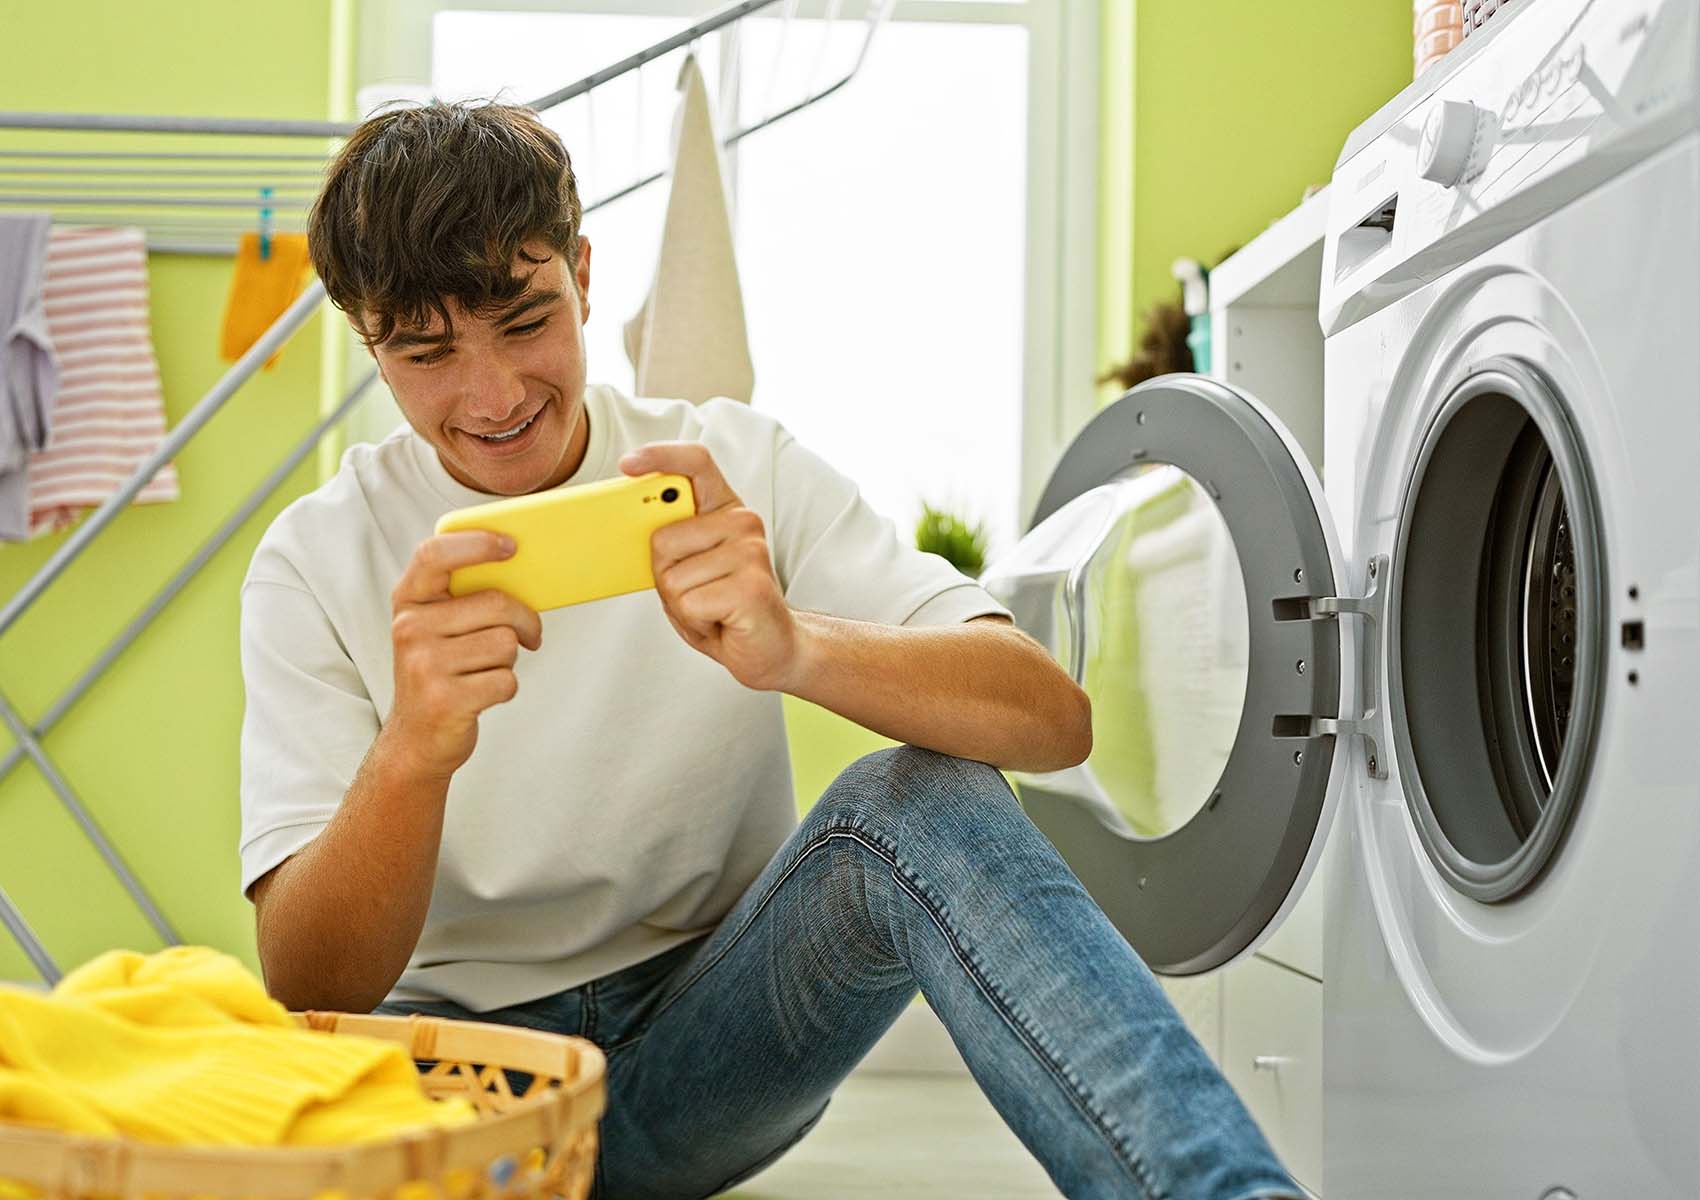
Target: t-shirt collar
[(590, 468)]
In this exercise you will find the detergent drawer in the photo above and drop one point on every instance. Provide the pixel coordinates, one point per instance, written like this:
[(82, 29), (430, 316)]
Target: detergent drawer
[(1272, 1054)]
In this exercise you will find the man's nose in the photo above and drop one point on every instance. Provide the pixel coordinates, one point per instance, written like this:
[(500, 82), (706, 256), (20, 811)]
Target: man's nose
[(494, 389)]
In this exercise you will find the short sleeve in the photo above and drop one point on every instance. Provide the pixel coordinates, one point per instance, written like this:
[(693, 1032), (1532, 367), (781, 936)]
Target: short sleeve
[(307, 724), (834, 554)]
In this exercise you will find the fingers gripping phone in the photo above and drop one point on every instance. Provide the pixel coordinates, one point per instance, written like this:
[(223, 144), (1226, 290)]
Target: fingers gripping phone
[(573, 544)]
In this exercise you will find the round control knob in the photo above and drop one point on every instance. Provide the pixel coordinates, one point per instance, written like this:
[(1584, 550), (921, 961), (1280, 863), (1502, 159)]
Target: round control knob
[(1448, 152)]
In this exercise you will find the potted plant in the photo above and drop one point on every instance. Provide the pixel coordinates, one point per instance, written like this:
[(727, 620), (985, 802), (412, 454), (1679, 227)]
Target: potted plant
[(953, 539)]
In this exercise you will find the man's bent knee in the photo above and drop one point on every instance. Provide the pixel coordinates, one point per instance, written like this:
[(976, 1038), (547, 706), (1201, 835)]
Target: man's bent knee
[(892, 788)]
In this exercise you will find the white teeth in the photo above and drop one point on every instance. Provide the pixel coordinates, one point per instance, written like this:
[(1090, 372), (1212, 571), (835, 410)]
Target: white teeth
[(512, 433)]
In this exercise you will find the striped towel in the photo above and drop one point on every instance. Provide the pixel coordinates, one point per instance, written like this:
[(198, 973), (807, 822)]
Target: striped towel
[(109, 414)]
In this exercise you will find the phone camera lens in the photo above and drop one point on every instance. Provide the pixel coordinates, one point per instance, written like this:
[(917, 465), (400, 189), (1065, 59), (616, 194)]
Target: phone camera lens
[(668, 495)]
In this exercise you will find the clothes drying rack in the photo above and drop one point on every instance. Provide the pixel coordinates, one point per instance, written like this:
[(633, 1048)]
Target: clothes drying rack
[(195, 175)]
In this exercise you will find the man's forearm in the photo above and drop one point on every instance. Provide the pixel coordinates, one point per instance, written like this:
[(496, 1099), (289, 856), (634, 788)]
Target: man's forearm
[(339, 920), (981, 690)]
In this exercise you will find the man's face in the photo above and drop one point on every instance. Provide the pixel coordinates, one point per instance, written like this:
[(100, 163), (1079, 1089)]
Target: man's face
[(519, 373)]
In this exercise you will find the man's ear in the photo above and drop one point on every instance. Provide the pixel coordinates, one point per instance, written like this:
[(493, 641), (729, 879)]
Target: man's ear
[(581, 276)]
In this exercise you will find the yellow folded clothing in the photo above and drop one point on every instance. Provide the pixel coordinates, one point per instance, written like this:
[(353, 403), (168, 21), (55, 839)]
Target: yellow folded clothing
[(185, 1047), (185, 985)]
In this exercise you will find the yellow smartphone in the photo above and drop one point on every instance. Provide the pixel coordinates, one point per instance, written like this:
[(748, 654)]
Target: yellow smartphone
[(573, 544)]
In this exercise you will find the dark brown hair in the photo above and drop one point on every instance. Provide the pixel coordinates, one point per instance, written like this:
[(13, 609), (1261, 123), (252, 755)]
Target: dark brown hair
[(429, 203)]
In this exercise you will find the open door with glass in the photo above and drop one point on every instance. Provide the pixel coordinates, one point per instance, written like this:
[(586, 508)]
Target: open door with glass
[(1183, 567)]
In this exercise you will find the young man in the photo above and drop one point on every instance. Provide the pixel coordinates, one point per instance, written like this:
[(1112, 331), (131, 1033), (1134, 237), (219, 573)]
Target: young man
[(582, 821)]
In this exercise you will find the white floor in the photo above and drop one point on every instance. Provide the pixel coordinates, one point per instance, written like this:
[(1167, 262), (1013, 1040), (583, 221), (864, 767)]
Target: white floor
[(903, 1136)]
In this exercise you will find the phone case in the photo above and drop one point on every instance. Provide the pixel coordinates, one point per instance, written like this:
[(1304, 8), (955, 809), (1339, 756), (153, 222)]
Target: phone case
[(573, 544)]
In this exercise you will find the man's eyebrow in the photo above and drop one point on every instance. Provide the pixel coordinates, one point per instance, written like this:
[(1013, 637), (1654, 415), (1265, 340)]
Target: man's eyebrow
[(525, 304), (406, 339)]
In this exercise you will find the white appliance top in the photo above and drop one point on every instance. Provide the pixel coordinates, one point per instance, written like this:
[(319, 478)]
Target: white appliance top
[(1553, 99)]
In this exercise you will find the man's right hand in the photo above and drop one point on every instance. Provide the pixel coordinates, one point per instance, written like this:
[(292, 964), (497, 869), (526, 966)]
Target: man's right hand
[(454, 655)]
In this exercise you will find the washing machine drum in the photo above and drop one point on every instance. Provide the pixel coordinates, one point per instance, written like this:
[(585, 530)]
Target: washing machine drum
[(1496, 631), (1182, 569)]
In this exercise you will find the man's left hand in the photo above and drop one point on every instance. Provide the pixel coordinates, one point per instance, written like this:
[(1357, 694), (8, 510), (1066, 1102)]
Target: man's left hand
[(715, 575)]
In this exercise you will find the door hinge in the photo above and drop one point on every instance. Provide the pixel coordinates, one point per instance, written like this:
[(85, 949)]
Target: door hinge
[(1372, 607)]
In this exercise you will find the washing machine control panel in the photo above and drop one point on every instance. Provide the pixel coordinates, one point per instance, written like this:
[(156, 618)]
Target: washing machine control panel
[(1559, 97)]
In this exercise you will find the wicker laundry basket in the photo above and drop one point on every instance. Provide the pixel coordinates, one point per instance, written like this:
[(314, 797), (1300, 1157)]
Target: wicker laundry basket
[(535, 1144)]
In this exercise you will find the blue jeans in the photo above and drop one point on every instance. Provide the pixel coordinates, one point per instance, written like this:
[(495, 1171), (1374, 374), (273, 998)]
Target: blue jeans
[(914, 870)]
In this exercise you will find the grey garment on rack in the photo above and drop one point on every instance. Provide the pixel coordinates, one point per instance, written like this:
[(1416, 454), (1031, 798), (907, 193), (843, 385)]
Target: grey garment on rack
[(29, 374)]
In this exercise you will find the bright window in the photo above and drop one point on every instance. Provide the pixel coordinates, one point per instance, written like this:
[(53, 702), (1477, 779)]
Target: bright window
[(880, 239)]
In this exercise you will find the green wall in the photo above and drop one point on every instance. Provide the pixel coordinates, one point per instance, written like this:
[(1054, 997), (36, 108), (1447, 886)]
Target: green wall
[(1237, 106), (153, 750)]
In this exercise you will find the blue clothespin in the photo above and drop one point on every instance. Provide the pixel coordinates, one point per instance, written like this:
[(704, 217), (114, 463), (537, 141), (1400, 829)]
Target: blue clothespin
[(265, 223)]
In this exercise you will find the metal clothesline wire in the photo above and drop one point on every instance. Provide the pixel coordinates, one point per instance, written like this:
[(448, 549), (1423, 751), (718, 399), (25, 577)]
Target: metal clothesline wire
[(162, 155), (131, 200), (190, 192), (312, 175), (29, 737), (241, 126), (877, 12)]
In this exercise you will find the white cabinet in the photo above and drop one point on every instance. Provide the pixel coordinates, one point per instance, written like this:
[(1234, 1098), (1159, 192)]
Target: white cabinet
[(1265, 332), (1272, 1054)]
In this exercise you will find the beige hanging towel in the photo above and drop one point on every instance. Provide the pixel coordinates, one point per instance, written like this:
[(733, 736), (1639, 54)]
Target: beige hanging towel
[(688, 341)]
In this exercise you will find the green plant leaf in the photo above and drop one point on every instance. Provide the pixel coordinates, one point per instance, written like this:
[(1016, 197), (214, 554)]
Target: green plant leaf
[(953, 539)]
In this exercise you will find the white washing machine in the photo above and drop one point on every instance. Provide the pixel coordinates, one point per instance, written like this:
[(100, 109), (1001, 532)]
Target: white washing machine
[(1511, 308), (1480, 649)]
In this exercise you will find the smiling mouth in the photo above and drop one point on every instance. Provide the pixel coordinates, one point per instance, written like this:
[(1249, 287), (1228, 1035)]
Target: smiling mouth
[(510, 434)]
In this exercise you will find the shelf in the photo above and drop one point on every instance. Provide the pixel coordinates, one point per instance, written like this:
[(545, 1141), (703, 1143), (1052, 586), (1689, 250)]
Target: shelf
[(1281, 267)]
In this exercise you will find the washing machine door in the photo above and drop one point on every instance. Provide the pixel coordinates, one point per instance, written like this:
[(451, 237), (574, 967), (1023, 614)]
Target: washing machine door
[(1183, 567)]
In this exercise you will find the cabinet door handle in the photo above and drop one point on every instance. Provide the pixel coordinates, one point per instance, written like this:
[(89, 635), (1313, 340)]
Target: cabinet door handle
[(1270, 1062)]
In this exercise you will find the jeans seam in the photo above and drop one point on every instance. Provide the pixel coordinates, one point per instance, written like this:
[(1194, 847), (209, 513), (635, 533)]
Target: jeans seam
[(1081, 1102), (761, 906), (1130, 1162), (621, 1047), (588, 1003)]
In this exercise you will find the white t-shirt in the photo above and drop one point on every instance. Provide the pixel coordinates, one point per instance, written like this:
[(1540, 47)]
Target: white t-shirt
[(621, 803)]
